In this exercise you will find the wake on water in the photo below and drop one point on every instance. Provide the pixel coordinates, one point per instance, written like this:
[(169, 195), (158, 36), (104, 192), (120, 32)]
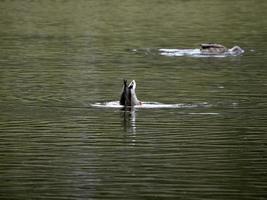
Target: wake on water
[(156, 105), (149, 105), (181, 52), (188, 52)]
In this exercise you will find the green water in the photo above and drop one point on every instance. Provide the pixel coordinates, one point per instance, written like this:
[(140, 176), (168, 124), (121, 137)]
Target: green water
[(59, 57)]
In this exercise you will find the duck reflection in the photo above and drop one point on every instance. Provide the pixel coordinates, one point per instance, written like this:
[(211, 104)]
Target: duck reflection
[(128, 115)]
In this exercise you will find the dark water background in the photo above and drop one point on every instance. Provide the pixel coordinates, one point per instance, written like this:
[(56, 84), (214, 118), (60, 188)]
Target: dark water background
[(59, 57)]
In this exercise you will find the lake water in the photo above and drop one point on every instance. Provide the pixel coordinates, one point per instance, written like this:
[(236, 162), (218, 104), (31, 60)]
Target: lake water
[(59, 59)]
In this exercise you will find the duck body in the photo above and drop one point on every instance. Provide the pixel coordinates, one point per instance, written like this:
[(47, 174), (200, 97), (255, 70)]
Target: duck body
[(217, 49), (128, 95), (211, 48)]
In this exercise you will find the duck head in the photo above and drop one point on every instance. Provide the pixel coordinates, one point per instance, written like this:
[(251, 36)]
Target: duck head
[(236, 50)]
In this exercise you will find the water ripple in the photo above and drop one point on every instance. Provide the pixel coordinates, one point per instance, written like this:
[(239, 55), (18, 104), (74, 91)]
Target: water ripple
[(155, 105)]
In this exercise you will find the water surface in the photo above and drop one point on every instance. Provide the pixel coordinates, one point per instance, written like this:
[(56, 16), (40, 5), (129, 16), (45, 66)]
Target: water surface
[(58, 58)]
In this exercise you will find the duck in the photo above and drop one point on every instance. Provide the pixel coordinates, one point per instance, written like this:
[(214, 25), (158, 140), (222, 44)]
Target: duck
[(215, 49), (128, 94)]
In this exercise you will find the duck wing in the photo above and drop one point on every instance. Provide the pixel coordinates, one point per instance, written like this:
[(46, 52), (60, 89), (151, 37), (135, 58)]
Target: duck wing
[(212, 45)]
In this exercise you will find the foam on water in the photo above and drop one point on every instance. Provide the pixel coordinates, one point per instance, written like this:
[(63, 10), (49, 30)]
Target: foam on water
[(189, 52), (149, 105), (183, 52)]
